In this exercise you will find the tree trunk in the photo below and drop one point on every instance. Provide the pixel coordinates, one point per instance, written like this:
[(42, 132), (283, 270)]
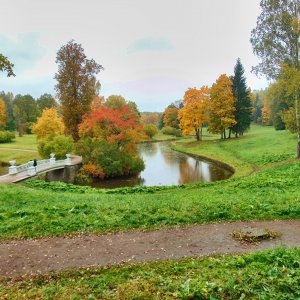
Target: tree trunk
[(197, 134), (224, 134), (229, 135), (20, 128)]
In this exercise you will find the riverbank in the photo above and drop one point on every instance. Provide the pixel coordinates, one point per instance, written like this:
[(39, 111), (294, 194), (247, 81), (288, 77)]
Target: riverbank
[(261, 148)]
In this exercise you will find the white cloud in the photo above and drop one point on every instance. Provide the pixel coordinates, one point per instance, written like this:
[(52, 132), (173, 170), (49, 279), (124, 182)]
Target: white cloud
[(172, 44)]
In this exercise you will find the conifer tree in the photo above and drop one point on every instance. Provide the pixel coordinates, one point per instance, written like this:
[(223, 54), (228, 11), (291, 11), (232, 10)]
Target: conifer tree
[(242, 97)]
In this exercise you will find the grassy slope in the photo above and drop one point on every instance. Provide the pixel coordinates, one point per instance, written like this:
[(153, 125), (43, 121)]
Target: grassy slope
[(265, 275), (258, 149), (27, 142)]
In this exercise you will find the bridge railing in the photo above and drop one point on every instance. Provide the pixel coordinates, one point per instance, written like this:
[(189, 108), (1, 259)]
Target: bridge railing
[(32, 168)]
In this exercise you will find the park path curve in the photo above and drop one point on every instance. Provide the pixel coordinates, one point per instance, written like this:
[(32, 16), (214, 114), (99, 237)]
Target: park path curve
[(60, 253)]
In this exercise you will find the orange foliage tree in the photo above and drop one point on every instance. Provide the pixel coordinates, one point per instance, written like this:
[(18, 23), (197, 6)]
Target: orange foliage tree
[(194, 113), (265, 114), (48, 124), (171, 116), (3, 116), (221, 108), (108, 140)]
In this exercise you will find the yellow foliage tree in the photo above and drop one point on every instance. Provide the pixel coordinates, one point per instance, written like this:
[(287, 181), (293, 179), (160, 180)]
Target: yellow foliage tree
[(221, 108), (3, 117), (265, 115), (48, 124), (195, 111)]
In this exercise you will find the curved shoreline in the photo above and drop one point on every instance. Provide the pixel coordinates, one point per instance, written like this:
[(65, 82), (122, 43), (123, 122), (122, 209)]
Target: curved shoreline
[(205, 158)]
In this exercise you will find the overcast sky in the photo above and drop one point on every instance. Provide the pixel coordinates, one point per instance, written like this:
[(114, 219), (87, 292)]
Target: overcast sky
[(152, 51)]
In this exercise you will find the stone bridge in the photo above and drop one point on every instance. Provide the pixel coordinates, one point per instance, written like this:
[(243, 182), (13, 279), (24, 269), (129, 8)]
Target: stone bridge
[(56, 169)]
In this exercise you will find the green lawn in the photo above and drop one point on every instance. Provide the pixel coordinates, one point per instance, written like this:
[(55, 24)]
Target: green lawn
[(27, 141), (271, 274)]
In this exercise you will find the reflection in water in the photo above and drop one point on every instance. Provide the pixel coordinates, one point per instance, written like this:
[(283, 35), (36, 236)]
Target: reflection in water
[(3, 169), (167, 167)]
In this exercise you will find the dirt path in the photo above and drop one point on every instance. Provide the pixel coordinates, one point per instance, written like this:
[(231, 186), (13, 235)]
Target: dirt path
[(17, 149), (54, 254)]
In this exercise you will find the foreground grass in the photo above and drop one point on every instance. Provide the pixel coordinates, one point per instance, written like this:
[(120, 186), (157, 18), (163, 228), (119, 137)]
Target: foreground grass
[(260, 148), (273, 274), (272, 194)]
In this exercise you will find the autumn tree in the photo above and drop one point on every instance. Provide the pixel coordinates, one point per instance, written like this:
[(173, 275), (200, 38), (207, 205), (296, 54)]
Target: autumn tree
[(195, 111), (150, 118), (97, 102), (76, 84), (6, 66), (108, 140), (276, 41), (221, 108), (170, 116), (48, 124), (265, 115), (8, 99), (3, 116), (242, 101)]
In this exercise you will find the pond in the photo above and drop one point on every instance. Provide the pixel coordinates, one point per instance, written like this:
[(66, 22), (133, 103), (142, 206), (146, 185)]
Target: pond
[(165, 166), (3, 168)]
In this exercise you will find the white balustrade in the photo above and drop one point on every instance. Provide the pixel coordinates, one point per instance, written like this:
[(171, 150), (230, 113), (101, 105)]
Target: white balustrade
[(68, 159), (40, 164), (52, 159)]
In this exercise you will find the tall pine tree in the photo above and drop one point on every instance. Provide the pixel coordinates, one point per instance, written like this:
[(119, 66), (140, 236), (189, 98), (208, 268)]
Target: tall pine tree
[(243, 105)]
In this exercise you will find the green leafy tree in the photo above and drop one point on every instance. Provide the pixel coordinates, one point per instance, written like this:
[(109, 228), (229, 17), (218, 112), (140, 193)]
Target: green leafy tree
[(25, 112), (276, 41), (242, 100), (46, 101), (257, 109), (6, 66), (150, 130), (119, 102), (76, 84), (276, 37)]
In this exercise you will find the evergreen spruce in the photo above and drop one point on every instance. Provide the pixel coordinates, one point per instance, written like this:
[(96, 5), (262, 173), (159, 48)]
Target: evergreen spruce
[(243, 105)]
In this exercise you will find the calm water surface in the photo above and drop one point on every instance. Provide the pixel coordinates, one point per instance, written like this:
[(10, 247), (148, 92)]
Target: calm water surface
[(165, 166)]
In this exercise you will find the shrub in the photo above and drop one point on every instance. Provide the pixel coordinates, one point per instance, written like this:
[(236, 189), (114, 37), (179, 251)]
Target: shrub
[(150, 130), (171, 131), (93, 171), (59, 144), (7, 136), (109, 158)]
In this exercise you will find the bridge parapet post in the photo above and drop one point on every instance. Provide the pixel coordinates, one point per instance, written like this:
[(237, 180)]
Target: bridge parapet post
[(31, 171), (12, 169), (52, 159), (68, 160)]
